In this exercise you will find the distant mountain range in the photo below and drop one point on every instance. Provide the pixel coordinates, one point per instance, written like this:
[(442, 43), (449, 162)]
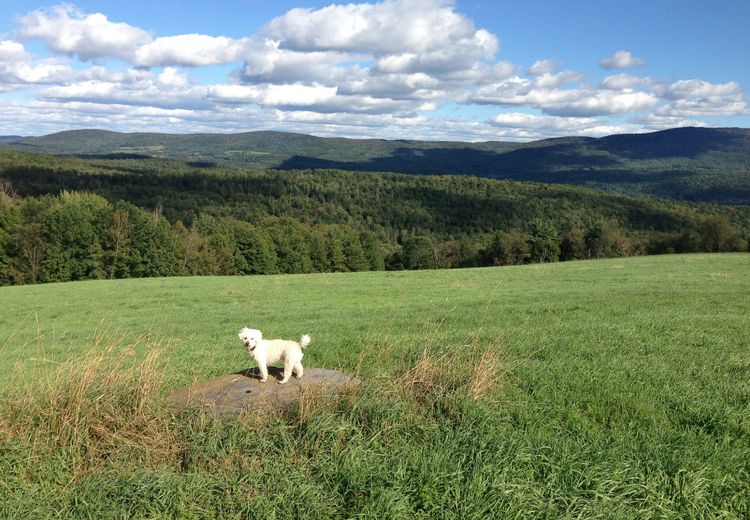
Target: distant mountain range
[(700, 164)]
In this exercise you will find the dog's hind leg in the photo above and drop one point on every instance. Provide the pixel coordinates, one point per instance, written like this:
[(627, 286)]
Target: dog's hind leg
[(298, 370), (287, 372)]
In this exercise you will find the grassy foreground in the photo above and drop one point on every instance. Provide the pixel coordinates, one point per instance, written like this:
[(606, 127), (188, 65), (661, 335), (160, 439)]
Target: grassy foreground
[(599, 389)]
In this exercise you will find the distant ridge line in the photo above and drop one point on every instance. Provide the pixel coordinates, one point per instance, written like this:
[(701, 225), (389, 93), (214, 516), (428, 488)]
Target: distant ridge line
[(690, 163)]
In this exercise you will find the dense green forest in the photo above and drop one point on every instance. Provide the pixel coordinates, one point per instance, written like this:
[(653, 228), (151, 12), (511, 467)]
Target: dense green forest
[(65, 218), (692, 164)]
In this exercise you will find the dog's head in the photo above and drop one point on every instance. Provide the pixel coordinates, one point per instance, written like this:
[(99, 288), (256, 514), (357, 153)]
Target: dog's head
[(250, 338)]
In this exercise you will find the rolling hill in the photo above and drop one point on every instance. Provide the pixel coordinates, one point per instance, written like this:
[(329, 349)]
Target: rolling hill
[(694, 164), (444, 205)]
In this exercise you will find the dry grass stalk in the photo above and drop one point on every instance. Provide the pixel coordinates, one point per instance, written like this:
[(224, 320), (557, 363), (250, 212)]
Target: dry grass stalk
[(467, 370), (486, 375), (97, 405)]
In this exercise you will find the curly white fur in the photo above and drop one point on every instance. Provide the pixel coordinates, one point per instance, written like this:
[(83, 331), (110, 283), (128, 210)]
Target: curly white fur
[(269, 351)]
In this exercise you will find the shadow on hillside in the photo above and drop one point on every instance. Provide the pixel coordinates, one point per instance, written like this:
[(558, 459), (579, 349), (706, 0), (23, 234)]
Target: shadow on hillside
[(552, 164), (201, 164), (465, 161), (614, 177), (409, 160), (112, 156), (687, 143)]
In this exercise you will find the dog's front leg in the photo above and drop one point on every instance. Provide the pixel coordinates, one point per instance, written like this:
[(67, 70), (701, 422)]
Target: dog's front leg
[(263, 372)]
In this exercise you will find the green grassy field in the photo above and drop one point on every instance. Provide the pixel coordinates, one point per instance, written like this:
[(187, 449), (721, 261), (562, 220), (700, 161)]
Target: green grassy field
[(611, 389)]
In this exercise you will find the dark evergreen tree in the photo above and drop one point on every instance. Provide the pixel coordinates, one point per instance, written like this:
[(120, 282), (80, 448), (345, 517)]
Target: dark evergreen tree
[(373, 251), (10, 219), (508, 248), (256, 254), (573, 245), (418, 253), (289, 239), (717, 234), (543, 241), (74, 228)]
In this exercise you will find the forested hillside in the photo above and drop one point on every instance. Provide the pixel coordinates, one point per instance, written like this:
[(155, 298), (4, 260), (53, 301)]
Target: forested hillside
[(694, 164), (71, 218)]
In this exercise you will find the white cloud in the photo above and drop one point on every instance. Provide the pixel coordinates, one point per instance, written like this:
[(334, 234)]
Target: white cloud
[(170, 89), (192, 50), (698, 98), (621, 60), (365, 104), (556, 126), (46, 117), (702, 107), (268, 63), (542, 67), (173, 77), (12, 51), (523, 120), (395, 86), (399, 49), (388, 27), (544, 92), (460, 56), (588, 102), (272, 95), (692, 88), (551, 81), (418, 85), (663, 122), (41, 73), (18, 69), (625, 81), (69, 31)]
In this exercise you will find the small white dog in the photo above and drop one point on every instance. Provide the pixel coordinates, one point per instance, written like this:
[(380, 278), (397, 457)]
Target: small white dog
[(269, 351)]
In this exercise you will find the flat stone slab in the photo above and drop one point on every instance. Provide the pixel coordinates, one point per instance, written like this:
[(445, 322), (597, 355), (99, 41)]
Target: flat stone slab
[(234, 393)]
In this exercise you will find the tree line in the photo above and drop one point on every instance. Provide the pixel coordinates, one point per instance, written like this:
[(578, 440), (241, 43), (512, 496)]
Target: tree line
[(80, 236)]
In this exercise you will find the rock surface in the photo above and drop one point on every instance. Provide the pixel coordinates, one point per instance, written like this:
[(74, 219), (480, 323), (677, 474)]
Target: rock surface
[(234, 393)]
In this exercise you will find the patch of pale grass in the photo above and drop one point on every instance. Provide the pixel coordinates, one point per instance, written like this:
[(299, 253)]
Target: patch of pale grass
[(321, 398), (469, 370), (487, 374), (96, 406)]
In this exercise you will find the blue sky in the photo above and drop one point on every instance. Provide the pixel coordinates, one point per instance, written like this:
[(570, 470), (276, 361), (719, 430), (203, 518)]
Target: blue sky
[(428, 69)]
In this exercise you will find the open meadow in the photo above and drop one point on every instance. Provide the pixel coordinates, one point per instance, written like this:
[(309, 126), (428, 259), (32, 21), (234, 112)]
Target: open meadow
[(612, 388)]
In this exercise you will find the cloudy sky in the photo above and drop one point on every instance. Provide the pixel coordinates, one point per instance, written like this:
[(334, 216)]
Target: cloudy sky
[(428, 69)]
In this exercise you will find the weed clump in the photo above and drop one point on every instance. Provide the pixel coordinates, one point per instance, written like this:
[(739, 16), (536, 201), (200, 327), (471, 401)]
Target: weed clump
[(466, 371), (101, 406)]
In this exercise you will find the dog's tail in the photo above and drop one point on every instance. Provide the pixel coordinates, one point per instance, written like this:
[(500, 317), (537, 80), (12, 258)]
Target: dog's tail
[(304, 341)]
